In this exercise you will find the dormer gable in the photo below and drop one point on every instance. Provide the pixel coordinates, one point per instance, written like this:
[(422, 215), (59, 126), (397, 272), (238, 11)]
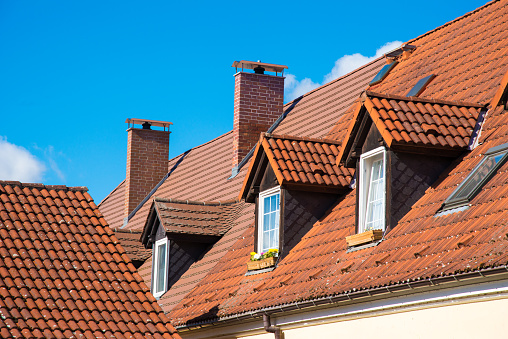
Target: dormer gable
[(399, 146), (293, 182), (412, 125), (179, 232)]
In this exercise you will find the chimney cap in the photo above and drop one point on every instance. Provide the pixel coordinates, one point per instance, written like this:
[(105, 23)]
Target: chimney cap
[(253, 64), (151, 122)]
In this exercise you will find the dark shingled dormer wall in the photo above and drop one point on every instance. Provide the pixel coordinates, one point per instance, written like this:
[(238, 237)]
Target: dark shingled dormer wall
[(408, 177)]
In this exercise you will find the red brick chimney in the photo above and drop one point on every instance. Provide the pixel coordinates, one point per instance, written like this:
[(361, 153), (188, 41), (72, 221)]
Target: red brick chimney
[(259, 99), (147, 160)]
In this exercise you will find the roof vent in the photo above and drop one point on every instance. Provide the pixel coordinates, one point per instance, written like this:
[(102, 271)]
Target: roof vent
[(397, 53)]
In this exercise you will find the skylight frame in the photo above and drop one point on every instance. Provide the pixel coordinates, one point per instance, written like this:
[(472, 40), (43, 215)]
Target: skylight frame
[(383, 73), (458, 199), (420, 86)]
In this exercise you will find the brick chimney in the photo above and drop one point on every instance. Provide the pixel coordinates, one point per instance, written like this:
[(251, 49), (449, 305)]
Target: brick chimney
[(147, 160), (259, 99)]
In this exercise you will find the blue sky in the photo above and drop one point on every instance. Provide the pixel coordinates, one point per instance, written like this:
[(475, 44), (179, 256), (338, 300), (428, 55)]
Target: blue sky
[(72, 72)]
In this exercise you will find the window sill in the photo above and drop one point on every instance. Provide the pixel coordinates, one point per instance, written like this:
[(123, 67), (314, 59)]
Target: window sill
[(364, 238)]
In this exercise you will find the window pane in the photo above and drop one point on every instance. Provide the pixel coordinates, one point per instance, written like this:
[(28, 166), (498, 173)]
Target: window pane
[(375, 197), (161, 268), (266, 222), (266, 204)]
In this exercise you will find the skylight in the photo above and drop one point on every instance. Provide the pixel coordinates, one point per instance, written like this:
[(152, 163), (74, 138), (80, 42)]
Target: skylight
[(480, 175), (420, 86), (383, 73)]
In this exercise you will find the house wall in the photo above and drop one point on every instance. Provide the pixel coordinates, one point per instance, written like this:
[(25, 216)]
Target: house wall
[(468, 310)]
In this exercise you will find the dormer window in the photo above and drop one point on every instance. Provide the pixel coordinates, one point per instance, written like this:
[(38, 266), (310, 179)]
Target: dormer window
[(269, 219), (160, 267), (478, 177), (372, 188)]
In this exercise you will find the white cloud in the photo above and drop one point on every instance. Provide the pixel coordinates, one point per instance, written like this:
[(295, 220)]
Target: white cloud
[(294, 88), (17, 163)]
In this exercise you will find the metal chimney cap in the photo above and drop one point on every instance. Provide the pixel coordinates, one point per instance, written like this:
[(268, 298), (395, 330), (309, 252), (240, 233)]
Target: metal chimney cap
[(254, 64), (149, 122)]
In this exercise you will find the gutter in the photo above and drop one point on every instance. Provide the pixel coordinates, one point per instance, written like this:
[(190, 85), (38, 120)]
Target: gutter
[(346, 296)]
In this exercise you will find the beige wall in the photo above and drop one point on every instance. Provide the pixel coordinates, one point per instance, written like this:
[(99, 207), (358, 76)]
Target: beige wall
[(485, 319)]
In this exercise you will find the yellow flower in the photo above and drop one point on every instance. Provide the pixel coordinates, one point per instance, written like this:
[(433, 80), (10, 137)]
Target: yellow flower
[(253, 253)]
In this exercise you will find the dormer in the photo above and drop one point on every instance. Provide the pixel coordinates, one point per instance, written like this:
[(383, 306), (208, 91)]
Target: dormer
[(179, 232), (398, 147), (292, 181)]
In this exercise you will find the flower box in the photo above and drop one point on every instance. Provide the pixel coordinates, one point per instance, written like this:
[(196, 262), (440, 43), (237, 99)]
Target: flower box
[(259, 264), (363, 238)]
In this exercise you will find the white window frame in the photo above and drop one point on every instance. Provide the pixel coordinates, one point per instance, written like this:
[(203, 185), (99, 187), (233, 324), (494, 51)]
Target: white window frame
[(157, 244), (262, 196), (366, 161)]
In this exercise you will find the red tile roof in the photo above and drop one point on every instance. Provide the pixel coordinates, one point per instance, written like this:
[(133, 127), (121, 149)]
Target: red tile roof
[(63, 272), (415, 123), (203, 172), (303, 163), (468, 56)]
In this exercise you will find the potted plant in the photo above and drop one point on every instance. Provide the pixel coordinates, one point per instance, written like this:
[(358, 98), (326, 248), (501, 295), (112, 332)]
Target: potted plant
[(262, 260)]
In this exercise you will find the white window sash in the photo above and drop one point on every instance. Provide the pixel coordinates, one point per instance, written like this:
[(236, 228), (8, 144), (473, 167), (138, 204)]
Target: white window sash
[(372, 191), (156, 291), (271, 236)]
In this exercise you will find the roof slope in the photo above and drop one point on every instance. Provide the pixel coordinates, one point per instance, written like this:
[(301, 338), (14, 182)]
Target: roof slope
[(467, 55), (112, 206), (469, 59), (64, 274)]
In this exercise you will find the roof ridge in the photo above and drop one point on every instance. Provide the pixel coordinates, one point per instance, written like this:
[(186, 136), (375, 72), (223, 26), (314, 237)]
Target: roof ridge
[(333, 81), (292, 137), (111, 193), (201, 203), (454, 20), (39, 185), (432, 101)]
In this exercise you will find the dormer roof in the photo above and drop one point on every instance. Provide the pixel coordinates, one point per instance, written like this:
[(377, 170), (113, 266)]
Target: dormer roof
[(412, 124), (184, 218), (298, 163)]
